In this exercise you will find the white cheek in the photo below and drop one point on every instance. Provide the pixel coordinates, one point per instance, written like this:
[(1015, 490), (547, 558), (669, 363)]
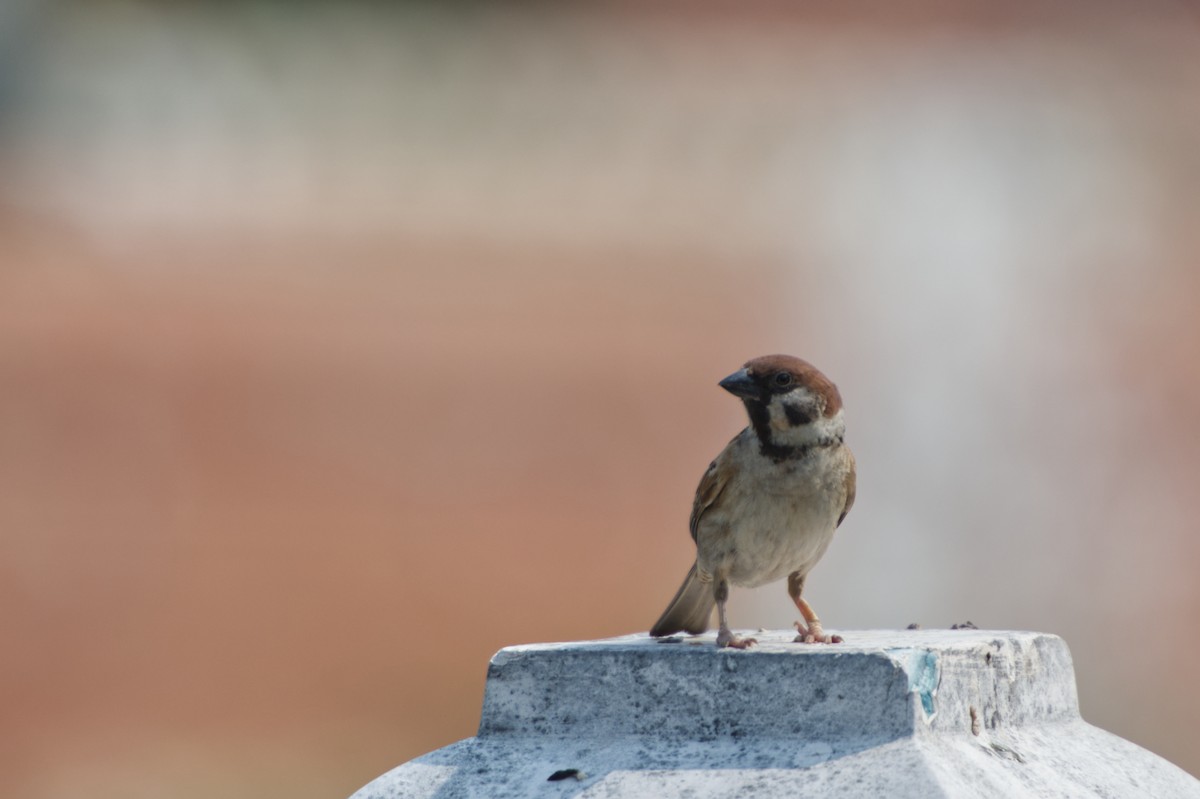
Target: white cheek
[(776, 416), (823, 428)]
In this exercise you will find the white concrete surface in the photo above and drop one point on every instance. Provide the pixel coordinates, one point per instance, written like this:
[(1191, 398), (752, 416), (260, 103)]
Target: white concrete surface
[(922, 713)]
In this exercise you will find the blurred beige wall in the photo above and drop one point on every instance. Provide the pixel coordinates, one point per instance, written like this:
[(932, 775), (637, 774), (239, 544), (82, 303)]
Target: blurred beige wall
[(342, 345)]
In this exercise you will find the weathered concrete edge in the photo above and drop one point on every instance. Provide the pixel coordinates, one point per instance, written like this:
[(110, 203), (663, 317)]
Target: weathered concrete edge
[(917, 682)]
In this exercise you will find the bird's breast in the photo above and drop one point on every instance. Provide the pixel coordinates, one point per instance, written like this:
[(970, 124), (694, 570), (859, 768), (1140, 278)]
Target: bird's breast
[(773, 519)]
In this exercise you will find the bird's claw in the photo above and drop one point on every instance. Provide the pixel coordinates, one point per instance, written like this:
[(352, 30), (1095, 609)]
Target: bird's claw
[(813, 634), (725, 638)]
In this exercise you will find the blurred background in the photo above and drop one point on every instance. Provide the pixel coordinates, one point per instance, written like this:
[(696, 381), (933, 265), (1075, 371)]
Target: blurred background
[(342, 344)]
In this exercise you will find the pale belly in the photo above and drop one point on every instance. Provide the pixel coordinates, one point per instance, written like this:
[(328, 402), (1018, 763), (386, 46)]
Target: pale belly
[(772, 528)]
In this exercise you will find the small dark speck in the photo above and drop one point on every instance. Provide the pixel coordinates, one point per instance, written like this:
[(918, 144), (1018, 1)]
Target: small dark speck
[(988, 658), (1004, 751), (672, 639), (916, 625), (966, 625), (566, 774)]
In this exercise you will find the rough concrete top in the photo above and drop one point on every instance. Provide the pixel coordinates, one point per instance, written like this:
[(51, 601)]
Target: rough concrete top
[(879, 685), (923, 713)]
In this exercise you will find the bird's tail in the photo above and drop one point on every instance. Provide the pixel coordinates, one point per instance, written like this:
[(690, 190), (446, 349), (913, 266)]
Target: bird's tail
[(689, 611)]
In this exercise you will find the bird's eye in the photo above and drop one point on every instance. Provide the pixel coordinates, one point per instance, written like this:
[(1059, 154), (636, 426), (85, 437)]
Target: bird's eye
[(783, 379)]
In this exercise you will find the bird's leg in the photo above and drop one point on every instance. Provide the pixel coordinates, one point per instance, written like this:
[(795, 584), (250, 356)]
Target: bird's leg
[(809, 631), (725, 636), (813, 633)]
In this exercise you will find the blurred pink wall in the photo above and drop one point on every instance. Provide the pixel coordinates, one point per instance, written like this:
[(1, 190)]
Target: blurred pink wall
[(341, 346)]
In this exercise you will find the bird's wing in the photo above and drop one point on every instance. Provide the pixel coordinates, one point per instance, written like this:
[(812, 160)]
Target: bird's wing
[(715, 478), (849, 483)]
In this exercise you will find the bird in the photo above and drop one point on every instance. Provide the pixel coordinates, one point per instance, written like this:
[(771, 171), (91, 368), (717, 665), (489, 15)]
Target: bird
[(768, 505)]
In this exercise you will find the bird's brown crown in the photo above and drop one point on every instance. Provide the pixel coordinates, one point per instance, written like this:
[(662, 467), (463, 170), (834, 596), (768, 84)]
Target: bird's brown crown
[(765, 368)]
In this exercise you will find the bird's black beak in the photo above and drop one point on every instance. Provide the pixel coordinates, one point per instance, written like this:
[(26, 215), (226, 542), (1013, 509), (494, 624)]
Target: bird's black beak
[(740, 384)]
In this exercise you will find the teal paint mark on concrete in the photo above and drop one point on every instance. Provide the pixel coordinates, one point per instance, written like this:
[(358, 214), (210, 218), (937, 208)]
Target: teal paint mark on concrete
[(923, 679)]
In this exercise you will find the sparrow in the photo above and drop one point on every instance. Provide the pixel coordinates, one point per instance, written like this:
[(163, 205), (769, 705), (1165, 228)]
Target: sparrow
[(769, 504)]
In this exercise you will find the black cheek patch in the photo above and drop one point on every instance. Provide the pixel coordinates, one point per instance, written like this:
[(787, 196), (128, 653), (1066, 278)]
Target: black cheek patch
[(796, 416)]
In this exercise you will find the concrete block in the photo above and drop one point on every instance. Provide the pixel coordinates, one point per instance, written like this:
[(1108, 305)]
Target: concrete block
[(921, 713)]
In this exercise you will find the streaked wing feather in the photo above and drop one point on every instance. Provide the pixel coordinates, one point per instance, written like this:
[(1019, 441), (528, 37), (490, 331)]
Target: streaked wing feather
[(715, 478)]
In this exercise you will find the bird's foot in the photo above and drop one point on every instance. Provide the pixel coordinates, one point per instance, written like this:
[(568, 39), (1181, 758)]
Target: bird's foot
[(813, 634), (726, 638)]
